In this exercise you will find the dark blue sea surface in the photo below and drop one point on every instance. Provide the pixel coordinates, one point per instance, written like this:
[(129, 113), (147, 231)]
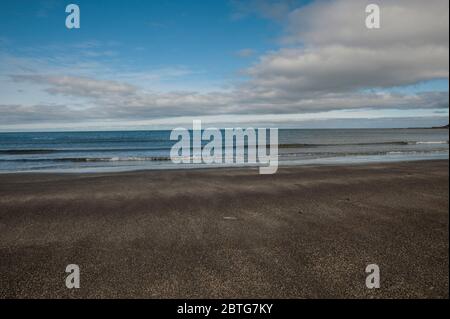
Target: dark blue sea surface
[(135, 150)]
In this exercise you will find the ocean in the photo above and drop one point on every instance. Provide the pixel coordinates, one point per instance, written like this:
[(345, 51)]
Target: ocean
[(136, 150)]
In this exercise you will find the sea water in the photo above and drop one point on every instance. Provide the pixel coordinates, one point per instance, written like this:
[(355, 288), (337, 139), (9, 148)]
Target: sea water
[(135, 150)]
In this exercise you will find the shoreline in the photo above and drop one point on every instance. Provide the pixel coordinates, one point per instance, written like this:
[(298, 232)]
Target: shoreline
[(244, 167), (304, 232)]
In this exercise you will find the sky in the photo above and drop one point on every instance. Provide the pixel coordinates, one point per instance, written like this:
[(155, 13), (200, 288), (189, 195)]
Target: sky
[(160, 64)]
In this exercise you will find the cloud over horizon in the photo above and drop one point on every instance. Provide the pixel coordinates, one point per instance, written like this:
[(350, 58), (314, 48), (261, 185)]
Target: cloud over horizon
[(327, 61)]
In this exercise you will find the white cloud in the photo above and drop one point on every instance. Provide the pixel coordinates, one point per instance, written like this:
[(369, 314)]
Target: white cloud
[(338, 53), (79, 86), (115, 100), (333, 63), (344, 68)]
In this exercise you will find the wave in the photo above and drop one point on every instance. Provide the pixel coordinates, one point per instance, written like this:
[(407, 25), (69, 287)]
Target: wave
[(92, 159), (43, 138), (166, 158), (33, 151), (65, 150), (299, 145), (368, 153), (27, 151), (117, 159), (433, 142)]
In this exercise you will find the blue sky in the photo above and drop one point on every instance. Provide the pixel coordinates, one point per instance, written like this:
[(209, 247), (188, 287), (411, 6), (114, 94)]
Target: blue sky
[(201, 36), (156, 64)]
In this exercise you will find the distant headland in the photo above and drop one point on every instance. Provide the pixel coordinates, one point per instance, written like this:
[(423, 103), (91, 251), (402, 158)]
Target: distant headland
[(445, 126), (430, 128)]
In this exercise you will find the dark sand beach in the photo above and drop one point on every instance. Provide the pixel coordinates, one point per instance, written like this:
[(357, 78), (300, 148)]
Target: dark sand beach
[(305, 232)]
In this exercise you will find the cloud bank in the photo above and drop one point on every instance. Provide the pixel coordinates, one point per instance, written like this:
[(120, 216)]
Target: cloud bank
[(328, 61)]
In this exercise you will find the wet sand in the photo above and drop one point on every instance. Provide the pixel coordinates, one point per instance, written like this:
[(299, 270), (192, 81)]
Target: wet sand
[(305, 232)]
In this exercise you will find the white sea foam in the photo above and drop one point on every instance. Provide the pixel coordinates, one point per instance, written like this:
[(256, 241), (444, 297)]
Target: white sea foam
[(432, 142)]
